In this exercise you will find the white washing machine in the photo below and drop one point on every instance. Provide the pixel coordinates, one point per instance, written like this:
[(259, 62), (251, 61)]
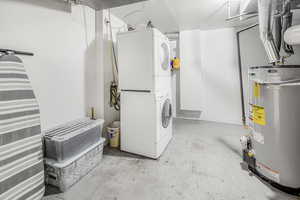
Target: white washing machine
[(144, 61), (146, 123)]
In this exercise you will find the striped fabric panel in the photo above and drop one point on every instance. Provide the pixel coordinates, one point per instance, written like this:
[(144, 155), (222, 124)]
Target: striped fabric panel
[(16, 95), (13, 68), (21, 157), (25, 188), (19, 134), (17, 124), (13, 80), (11, 149), (14, 86), (11, 64)]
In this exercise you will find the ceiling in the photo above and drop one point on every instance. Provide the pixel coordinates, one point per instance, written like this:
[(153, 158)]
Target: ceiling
[(177, 15), (103, 4)]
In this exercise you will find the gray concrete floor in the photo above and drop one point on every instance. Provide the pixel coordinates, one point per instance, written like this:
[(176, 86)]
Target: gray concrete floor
[(202, 162)]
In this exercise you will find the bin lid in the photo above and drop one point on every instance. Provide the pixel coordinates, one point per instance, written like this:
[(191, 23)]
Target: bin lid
[(65, 163), (284, 74), (115, 124)]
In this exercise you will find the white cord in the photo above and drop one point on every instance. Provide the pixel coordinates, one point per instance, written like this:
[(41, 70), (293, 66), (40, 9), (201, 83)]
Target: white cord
[(114, 56), (85, 25)]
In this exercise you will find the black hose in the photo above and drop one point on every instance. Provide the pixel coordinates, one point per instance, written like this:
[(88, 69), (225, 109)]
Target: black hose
[(278, 32), (287, 23), (7, 51), (114, 96)]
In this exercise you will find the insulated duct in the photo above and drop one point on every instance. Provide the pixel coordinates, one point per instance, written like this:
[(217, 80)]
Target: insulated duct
[(275, 17), (266, 10), (287, 20)]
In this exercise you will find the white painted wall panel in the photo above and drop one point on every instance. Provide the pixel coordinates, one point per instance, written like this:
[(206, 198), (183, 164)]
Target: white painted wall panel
[(64, 47), (110, 114), (190, 72), (209, 74), (220, 77)]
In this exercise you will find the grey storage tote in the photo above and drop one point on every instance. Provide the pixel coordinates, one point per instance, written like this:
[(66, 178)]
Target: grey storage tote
[(65, 174), (21, 157), (66, 141)]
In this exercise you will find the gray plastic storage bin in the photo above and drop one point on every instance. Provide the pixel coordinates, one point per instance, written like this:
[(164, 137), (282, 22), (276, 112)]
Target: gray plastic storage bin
[(65, 174), (68, 140)]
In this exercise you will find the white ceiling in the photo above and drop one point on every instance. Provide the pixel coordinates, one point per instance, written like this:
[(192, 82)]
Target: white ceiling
[(176, 15)]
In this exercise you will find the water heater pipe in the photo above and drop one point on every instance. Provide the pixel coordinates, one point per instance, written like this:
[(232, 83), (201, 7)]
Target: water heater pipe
[(241, 72), (266, 10)]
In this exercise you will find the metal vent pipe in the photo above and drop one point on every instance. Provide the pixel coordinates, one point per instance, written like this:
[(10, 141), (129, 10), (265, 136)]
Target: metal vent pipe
[(266, 9)]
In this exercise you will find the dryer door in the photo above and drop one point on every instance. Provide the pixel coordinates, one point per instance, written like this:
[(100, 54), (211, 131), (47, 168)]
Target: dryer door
[(165, 57), (166, 114)]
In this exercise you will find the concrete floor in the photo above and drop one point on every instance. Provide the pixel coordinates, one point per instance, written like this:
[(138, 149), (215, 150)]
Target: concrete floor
[(202, 162)]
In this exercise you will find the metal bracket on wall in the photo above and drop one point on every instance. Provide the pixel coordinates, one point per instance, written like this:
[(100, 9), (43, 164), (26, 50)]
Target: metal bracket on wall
[(245, 15), (10, 51)]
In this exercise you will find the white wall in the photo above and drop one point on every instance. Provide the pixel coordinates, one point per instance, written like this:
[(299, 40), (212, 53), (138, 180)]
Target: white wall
[(64, 47), (105, 63), (191, 72), (209, 74), (220, 77)]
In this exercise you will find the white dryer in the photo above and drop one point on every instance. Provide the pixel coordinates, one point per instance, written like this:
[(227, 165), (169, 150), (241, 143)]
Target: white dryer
[(146, 123), (144, 61)]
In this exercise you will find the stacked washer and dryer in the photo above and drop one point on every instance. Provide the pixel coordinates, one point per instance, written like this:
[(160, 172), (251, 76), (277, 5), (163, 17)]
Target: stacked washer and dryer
[(145, 85)]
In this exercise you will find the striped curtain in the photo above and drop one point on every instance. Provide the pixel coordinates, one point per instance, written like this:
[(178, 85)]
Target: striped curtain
[(21, 157)]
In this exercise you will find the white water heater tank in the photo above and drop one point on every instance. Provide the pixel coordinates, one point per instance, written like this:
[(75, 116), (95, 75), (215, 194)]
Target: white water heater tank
[(292, 35), (275, 111)]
